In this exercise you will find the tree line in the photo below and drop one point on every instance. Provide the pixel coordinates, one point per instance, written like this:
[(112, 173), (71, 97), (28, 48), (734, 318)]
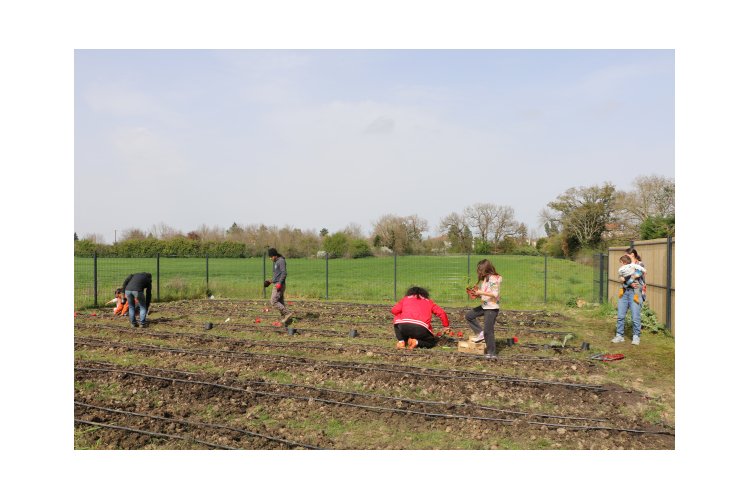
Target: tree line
[(590, 217)]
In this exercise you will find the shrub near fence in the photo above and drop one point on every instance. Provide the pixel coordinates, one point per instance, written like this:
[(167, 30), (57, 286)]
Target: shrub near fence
[(527, 280)]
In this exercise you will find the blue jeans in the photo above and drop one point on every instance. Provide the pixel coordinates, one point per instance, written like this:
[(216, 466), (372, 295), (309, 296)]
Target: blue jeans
[(131, 296), (631, 299)]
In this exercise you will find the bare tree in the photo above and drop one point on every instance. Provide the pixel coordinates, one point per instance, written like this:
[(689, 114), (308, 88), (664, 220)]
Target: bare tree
[(415, 227), (504, 223), (93, 238), (400, 234), (132, 234), (206, 233), (652, 196), (491, 222), (480, 217), (163, 231), (354, 231)]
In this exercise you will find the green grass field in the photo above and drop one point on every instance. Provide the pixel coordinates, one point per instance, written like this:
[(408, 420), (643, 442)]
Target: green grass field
[(355, 280)]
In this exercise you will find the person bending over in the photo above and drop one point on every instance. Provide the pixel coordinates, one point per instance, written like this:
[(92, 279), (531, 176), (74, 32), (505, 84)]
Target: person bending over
[(134, 286), (412, 319)]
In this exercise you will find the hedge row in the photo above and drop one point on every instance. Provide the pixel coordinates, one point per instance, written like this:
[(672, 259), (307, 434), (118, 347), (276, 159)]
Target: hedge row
[(150, 247)]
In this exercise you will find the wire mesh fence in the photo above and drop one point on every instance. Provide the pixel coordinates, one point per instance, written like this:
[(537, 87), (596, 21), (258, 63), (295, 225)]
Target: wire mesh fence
[(527, 280)]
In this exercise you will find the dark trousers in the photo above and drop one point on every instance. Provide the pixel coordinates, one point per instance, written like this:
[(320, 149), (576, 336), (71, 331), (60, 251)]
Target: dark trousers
[(490, 315), (406, 331)]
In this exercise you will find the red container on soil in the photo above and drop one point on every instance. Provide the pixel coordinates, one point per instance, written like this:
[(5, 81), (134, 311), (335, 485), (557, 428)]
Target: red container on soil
[(515, 340), (460, 334)]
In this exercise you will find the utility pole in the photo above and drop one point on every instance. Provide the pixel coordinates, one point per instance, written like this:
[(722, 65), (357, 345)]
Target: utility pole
[(115, 235)]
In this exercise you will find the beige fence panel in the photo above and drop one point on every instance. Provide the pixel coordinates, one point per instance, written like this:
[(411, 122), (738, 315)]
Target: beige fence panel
[(658, 258)]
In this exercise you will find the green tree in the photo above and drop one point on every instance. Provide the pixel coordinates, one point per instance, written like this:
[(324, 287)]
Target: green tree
[(336, 245), (583, 214), (482, 247), (657, 227), (359, 248), (456, 228)]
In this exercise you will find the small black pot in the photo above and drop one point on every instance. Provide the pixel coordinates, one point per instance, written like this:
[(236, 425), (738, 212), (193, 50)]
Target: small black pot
[(208, 326), (585, 346), (353, 333), (291, 331)]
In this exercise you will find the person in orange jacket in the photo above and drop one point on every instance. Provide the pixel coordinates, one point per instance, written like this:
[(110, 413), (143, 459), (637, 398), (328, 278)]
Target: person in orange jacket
[(412, 319), (121, 307)]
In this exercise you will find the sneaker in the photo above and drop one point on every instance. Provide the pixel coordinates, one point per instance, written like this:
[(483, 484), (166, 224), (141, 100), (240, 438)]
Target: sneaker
[(618, 339), (286, 318), (636, 341), (479, 338), (400, 344), (411, 343), (133, 325), (143, 324), (490, 357)]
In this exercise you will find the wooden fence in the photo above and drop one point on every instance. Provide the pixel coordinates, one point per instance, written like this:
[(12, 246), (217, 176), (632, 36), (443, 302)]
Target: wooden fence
[(658, 258)]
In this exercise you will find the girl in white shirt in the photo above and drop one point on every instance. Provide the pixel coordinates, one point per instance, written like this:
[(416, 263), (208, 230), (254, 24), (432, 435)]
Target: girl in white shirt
[(487, 289)]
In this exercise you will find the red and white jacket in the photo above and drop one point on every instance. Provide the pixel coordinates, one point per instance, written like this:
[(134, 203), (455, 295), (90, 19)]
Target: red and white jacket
[(419, 311)]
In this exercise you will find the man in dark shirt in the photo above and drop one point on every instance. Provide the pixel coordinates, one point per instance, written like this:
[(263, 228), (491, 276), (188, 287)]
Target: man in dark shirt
[(279, 284), (134, 285)]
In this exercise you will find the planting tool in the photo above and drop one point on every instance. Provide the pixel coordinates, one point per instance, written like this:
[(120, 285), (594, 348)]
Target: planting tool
[(607, 357)]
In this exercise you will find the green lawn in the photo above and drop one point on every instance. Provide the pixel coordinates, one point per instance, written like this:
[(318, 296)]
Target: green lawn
[(358, 280)]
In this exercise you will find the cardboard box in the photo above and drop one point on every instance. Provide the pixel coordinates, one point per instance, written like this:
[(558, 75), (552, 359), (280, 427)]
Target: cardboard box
[(471, 347)]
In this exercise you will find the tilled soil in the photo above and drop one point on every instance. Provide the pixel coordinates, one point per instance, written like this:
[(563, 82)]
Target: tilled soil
[(244, 384)]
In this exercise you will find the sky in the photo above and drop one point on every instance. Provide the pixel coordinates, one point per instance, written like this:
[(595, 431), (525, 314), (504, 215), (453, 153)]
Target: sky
[(326, 138)]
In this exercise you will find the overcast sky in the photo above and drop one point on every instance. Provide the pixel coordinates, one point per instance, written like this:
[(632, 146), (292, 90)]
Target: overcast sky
[(316, 139)]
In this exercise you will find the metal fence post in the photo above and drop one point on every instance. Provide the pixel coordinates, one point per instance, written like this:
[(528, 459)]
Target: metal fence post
[(545, 278), (468, 267), (207, 290), (158, 281), (394, 277), (326, 275), (264, 271), (96, 283), (601, 278), (668, 321)]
